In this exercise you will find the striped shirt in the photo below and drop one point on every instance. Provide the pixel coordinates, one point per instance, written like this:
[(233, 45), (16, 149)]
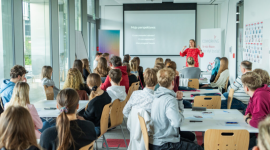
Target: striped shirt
[(239, 92)]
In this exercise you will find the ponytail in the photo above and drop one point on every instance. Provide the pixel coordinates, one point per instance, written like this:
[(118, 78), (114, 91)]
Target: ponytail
[(93, 94), (63, 128)]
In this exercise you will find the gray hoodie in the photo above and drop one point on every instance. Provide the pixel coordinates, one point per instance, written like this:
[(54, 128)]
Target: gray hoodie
[(49, 82), (166, 117), (117, 92)]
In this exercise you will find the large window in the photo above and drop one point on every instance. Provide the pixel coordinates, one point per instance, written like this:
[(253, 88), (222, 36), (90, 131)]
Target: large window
[(78, 15), (6, 51), (91, 8), (63, 40), (36, 25)]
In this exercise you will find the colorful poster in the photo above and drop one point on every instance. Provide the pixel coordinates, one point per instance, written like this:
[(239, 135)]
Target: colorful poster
[(254, 42), (109, 42)]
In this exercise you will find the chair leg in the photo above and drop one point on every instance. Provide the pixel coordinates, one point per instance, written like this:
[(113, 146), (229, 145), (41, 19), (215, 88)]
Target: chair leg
[(123, 135), (125, 123), (107, 146)]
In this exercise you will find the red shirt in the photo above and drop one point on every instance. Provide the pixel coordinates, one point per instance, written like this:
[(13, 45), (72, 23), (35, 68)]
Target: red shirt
[(192, 53)]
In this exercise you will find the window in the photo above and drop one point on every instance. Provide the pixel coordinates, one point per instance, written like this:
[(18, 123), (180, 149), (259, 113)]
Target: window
[(63, 40), (78, 15), (92, 44), (36, 25), (91, 8), (6, 50)]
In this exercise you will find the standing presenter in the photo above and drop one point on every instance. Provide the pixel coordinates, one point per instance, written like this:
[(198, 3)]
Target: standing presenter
[(192, 51)]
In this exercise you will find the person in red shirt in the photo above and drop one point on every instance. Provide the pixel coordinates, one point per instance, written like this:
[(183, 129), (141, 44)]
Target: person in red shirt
[(192, 51), (116, 63)]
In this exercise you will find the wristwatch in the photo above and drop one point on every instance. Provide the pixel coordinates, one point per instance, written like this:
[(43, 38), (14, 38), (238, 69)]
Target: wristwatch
[(247, 119)]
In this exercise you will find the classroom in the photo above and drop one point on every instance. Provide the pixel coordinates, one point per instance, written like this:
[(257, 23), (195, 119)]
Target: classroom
[(134, 75)]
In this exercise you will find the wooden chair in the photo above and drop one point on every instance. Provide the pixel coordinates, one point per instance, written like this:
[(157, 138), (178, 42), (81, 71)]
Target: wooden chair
[(104, 121), (226, 85), (134, 87), (193, 83), (117, 116), (49, 92), (144, 132), (230, 99), (210, 102), (88, 147), (226, 139)]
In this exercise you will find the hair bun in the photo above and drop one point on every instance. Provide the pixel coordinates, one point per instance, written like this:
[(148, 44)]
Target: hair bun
[(94, 88)]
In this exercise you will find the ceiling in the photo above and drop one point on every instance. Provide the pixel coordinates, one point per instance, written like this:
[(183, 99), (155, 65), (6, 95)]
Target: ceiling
[(121, 2)]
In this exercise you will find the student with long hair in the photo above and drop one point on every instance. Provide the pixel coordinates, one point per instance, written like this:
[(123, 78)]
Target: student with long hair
[(46, 75), (20, 97), (102, 68), (126, 58), (167, 61), (75, 80), (140, 70), (159, 60), (86, 68), (215, 69), (98, 99), (69, 133), (222, 76), (134, 67), (79, 65), (131, 77), (17, 130)]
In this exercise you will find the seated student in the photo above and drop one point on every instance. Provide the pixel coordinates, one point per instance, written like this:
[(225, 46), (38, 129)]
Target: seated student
[(107, 57), (98, 99), (102, 69), (143, 98), (134, 67), (116, 63), (131, 77), (17, 73), (258, 107), (240, 98), (86, 68), (74, 80), (46, 76), (191, 72), (20, 97), (79, 65), (17, 130), (126, 58), (222, 76), (167, 61), (158, 67), (69, 133), (95, 63), (159, 60), (140, 70), (264, 135), (215, 70), (116, 91), (264, 76), (167, 115)]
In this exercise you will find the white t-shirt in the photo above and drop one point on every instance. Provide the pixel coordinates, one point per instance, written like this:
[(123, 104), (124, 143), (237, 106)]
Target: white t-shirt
[(95, 64)]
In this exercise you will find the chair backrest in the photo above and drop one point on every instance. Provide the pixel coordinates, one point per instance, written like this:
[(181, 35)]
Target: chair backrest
[(88, 147), (226, 85), (193, 83), (134, 87), (230, 98), (116, 115), (104, 121), (49, 92), (226, 139), (144, 132), (210, 102)]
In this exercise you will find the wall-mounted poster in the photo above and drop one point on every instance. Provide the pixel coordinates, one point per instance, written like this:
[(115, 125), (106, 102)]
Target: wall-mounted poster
[(254, 42)]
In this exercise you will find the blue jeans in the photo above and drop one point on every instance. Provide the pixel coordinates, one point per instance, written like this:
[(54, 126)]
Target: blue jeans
[(97, 129), (236, 104), (47, 124)]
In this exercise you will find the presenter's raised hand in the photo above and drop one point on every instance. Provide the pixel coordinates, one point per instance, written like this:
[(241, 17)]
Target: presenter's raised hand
[(184, 48), (199, 47)]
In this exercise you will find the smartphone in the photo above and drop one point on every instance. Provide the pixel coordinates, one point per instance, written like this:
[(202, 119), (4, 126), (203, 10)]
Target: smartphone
[(49, 108)]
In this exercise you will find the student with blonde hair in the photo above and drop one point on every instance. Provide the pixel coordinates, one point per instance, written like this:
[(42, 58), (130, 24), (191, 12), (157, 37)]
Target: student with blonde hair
[(20, 97), (17, 130), (46, 75), (134, 67), (191, 72), (159, 60), (98, 99), (264, 135), (69, 132), (86, 68), (75, 80)]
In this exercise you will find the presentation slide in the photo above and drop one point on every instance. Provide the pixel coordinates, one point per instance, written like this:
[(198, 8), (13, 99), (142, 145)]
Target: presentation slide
[(162, 32)]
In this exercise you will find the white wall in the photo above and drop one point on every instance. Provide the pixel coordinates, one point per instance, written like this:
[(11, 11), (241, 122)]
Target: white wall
[(112, 19), (255, 11)]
